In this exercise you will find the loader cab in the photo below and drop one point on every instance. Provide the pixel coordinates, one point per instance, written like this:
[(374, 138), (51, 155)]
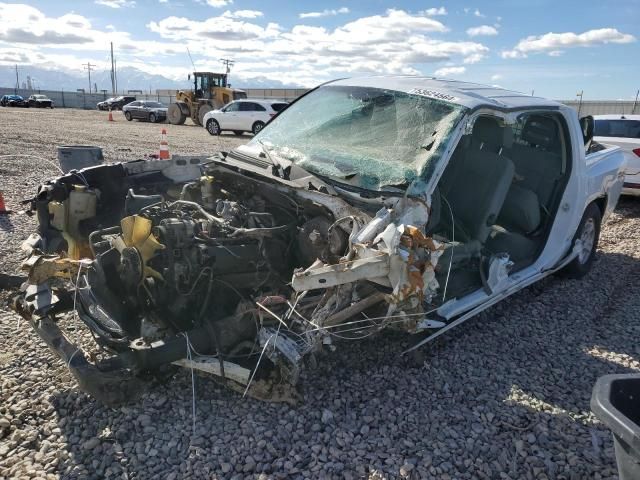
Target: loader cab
[(204, 84)]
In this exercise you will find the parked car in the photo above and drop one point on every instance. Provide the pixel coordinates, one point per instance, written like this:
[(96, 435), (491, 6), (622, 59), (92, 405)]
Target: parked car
[(104, 105), (403, 202), (145, 110), (623, 131), (13, 101), (40, 101), (242, 116), (116, 103)]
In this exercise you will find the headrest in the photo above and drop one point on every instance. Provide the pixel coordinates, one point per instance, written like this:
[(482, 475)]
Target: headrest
[(540, 130), (487, 130)]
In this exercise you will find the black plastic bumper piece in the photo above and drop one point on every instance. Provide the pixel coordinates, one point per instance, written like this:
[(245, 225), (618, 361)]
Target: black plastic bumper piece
[(616, 403)]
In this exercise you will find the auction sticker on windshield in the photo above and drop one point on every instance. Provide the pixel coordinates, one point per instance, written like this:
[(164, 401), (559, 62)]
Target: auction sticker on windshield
[(434, 94)]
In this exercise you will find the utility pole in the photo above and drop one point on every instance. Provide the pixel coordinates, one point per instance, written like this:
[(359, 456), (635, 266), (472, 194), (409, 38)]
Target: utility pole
[(113, 73), (635, 102), (580, 103), (228, 63), (17, 80), (88, 66)]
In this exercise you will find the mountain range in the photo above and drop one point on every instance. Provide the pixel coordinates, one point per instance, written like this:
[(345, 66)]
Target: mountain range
[(129, 78)]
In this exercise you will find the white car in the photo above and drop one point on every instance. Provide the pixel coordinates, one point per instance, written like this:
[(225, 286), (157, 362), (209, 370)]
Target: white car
[(624, 132), (241, 116)]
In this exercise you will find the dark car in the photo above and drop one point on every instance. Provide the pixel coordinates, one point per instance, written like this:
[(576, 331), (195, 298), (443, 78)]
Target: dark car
[(145, 110), (116, 103), (120, 102), (13, 101), (40, 101), (104, 105)]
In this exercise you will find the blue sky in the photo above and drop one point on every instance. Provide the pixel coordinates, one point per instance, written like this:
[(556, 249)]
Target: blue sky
[(556, 48)]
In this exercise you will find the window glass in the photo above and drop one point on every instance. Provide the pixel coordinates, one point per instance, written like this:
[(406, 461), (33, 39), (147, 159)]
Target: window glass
[(232, 107), (617, 128), (278, 107), (368, 137), (251, 107), (134, 104)]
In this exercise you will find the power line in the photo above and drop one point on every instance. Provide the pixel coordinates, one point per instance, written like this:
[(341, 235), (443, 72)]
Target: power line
[(228, 63), (88, 66)]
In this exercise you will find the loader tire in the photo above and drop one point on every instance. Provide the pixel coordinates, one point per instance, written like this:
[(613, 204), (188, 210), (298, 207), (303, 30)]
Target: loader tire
[(202, 111), (175, 115)]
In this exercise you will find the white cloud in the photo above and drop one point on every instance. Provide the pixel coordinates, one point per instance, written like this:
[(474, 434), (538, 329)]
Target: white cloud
[(395, 42), (435, 11), (482, 30), (116, 3), (553, 42), (243, 14), (473, 58), (478, 14), (449, 71), (555, 53), (324, 13), (219, 3), (496, 76)]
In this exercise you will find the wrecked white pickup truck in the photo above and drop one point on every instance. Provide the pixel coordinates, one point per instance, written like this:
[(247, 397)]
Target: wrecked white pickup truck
[(369, 203)]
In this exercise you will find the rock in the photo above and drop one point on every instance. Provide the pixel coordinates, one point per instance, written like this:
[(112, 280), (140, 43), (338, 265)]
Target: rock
[(91, 443), (327, 416), (225, 467), (406, 469)]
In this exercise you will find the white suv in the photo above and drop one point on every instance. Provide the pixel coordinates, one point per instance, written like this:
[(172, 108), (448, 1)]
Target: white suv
[(241, 116), (624, 132)]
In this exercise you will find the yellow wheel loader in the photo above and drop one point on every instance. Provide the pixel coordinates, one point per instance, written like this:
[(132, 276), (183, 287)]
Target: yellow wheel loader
[(210, 91)]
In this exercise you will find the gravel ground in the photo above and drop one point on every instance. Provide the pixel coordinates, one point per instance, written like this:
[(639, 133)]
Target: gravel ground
[(504, 396)]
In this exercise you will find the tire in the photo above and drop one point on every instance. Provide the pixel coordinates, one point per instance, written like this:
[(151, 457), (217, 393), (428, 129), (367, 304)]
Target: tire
[(213, 127), (152, 118), (257, 127), (238, 132), (175, 115), (128, 116), (589, 233), (202, 111)]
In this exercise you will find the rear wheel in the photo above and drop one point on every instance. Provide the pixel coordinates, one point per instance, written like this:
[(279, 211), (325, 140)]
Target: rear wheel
[(152, 117), (127, 115), (175, 115), (213, 127), (257, 127), (587, 235)]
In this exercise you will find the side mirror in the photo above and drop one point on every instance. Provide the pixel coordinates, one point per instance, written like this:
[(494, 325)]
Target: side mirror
[(586, 125)]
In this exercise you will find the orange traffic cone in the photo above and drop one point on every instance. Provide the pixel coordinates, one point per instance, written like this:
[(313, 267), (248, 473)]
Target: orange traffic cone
[(164, 146), (111, 116), (3, 208)]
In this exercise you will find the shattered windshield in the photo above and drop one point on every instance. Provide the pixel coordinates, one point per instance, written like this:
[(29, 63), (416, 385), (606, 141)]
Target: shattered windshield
[(368, 137)]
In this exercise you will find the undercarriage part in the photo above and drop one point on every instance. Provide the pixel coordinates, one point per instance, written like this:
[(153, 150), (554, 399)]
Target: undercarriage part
[(8, 281)]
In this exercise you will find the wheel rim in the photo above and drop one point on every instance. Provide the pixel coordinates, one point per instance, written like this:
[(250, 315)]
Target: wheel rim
[(152, 118), (587, 239), (212, 126), (257, 127)]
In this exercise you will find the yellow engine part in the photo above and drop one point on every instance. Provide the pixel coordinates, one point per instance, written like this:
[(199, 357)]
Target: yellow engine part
[(67, 215), (136, 233)]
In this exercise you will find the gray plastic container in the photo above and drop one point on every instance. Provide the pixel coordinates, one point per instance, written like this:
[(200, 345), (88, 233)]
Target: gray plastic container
[(616, 402), (76, 157)]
